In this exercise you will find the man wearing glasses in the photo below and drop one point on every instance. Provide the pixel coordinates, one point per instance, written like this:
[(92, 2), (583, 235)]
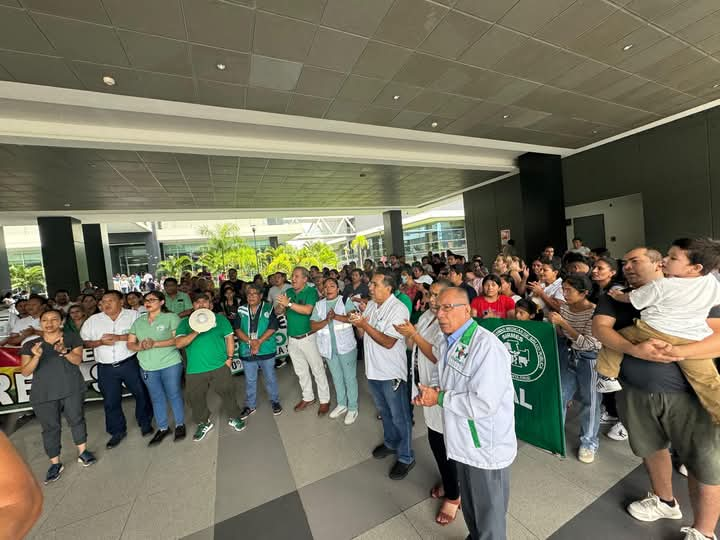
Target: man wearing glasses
[(476, 397), (387, 372)]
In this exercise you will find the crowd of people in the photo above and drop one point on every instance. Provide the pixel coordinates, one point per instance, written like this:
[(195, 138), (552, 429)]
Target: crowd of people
[(636, 343)]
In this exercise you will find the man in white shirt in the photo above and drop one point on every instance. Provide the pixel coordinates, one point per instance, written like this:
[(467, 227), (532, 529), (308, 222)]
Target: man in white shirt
[(28, 327), (279, 286), (477, 400), (107, 333), (387, 371), (578, 247), (62, 300)]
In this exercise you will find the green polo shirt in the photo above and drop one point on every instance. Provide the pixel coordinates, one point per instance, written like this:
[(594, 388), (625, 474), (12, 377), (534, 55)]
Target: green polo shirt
[(404, 298), (160, 329), (207, 351), (300, 324), (180, 303)]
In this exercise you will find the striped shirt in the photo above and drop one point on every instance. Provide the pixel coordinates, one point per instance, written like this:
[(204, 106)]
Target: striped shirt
[(581, 321)]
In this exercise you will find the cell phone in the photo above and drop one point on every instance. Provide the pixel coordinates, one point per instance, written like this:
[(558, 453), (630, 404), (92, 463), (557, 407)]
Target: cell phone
[(396, 384)]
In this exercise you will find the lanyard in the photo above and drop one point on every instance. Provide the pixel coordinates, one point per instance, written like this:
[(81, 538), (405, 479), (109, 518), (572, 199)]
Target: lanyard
[(250, 314)]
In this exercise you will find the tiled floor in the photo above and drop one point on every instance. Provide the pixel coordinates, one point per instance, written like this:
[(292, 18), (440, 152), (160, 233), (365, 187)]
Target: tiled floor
[(303, 477)]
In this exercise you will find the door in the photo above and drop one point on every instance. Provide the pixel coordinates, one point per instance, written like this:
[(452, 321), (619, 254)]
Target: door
[(591, 229)]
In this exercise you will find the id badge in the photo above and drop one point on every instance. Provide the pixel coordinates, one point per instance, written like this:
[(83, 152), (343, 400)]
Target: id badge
[(253, 335)]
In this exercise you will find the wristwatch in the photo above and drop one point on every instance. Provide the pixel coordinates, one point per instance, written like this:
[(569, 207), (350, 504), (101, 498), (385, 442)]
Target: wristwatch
[(290, 304)]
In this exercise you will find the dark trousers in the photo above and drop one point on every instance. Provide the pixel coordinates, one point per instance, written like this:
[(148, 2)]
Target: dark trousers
[(110, 380), (48, 413), (222, 383), (448, 470), (485, 497)]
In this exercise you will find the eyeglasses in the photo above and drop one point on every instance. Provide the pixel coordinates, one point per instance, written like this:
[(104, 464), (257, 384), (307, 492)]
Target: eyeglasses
[(450, 307), (151, 300)]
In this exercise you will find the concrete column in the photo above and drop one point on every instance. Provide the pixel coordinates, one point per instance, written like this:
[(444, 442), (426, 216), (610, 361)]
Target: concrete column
[(97, 251), (5, 284), (543, 203), (153, 249), (393, 233), (63, 253), (530, 205)]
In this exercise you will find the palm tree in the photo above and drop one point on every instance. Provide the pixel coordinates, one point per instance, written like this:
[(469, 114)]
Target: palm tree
[(220, 241), (27, 278), (174, 266), (359, 245)]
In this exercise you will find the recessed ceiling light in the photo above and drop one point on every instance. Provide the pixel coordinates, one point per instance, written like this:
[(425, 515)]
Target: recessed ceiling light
[(595, 131), (396, 98), (628, 47), (221, 66), (67, 205), (716, 85), (506, 116), (108, 80), (434, 124)]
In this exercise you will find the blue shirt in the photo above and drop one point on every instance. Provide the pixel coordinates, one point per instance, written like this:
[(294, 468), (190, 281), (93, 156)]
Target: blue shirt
[(457, 334)]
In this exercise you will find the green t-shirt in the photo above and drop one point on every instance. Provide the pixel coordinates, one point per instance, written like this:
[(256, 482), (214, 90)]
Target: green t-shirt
[(207, 352), (160, 329), (300, 324), (404, 298), (180, 303)]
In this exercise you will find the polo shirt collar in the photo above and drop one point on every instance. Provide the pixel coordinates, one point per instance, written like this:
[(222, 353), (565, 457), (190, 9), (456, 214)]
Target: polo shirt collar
[(457, 334)]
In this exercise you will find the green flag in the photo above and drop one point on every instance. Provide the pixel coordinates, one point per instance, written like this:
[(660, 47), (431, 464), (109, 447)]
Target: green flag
[(536, 377)]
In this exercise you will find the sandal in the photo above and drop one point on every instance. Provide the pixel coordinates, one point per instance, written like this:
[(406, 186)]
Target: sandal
[(443, 518), (437, 492)]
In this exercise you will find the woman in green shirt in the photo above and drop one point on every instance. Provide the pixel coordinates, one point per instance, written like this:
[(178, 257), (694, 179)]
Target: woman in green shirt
[(152, 336), (76, 317)]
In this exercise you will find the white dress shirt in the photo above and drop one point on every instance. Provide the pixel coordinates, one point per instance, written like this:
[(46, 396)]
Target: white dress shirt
[(99, 324), (24, 323)]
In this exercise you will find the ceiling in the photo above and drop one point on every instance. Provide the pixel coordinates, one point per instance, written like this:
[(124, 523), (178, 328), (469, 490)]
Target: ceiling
[(36, 178), (551, 72)]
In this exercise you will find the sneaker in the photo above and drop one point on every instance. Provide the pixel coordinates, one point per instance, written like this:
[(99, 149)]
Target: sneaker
[(87, 458), (607, 385), (400, 470), (350, 417), (180, 432), (338, 411), (280, 363), (276, 408), (382, 451), (618, 432), (694, 534), (160, 434), (54, 473), (247, 411), (652, 508), (682, 469), (586, 455), (606, 418), (238, 424), (202, 430)]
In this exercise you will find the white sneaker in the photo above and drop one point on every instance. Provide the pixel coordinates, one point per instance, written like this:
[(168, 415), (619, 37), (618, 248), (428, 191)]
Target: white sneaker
[(586, 455), (606, 385), (618, 432), (338, 411), (694, 534), (652, 509), (682, 469), (606, 418), (351, 417)]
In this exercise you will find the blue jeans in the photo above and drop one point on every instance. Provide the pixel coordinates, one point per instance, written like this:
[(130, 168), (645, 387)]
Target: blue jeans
[(110, 381), (251, 367), (343, 368), (163, 386), (394, 407), (577, 374)]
